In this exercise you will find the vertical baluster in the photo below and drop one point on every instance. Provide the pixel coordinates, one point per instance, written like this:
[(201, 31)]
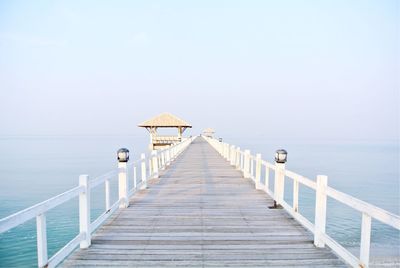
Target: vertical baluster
[(251, 159), (365, 240), (163, 160), (233, 155), (266, 178), (134, 177), (150, 165), (237, 158), (320, 210), (41, 240), (155, 163), (242, 161), (246, 164), (295, 195), (107, 193), (84, 211), (169, 155), (258, 171), (143, 169)]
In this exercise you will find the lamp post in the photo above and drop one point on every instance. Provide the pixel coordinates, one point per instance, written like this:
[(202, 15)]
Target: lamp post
[(123, 158), (279, 185)]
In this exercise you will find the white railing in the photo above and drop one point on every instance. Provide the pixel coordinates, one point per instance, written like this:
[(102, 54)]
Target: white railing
[(251, 167), (157, 160)]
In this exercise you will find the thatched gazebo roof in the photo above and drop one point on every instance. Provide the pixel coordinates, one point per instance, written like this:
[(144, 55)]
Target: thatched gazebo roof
[(165, 120)]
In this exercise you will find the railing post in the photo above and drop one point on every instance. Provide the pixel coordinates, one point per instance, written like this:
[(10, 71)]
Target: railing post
[(266, 178), (242, 162), (237, 157), (41, 240), (163, 160), (246, 165), (295, 195), (84, 211), (123, 185), (251, 159), (233, 154), (107, 193), (143, 169), (279, 183), (258, 172), (155, 163), (320, 210), (168, 160), (365, 240), (134, 177)]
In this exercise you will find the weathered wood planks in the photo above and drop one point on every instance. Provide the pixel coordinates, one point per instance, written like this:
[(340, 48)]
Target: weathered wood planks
[(201, 212)]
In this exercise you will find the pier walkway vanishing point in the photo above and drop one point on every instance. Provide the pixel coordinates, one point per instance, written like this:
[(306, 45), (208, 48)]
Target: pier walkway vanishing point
[(201, 212)]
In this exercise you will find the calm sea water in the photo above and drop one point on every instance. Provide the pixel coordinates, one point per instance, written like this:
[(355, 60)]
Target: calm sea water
[(34, 168)]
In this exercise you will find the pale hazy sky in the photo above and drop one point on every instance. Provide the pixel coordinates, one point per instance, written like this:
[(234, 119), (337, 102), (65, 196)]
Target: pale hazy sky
[(300, 69)]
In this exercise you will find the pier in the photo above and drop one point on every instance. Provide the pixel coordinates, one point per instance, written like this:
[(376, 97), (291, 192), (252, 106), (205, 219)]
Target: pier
[(201, 212), (202, 203)]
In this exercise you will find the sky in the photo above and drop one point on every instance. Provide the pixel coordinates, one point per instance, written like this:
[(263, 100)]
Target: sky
[(312, 70)]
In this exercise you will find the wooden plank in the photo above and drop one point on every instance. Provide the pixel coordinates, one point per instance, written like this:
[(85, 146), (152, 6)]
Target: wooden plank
[(201, 212)]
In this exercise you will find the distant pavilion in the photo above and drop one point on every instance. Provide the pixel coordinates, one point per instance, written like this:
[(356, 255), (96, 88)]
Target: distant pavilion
[(209, 132), (164, 120)]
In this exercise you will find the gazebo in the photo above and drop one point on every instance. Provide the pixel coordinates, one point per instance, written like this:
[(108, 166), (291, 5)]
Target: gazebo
[(208, 132), (164, 120)]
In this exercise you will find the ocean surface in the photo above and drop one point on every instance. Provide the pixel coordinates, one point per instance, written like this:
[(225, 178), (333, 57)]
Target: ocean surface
[(35, 168)]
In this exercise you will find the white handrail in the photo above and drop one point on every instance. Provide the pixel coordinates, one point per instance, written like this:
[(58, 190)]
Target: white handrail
[(22, 216), (83, 191), (322, 192)]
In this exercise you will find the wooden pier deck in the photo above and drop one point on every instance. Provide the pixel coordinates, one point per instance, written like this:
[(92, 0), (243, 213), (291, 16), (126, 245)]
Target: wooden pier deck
[(201, 212)]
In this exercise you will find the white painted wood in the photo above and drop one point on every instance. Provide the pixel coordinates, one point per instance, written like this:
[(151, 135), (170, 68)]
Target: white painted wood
[(104, 216), (150, 163), (320, 210), (168, 156), (134, 177), (246, 164), (41, 240), (123, 186), (251, 172), (367, 209), (237, 157), (143, 169), (375, 212), (84, 211), (341, 251), (258, 172), (233, 155), (303, 180), (300, 218), (22, 216), (266, 183), (155, 164), (101, 179), (107, 194), (189, 219), (163, 160), (296, 196), (65, 251), (365, 240), (279, 183)]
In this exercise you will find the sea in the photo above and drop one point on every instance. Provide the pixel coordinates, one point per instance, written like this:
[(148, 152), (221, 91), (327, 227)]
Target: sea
[(35, 168)]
